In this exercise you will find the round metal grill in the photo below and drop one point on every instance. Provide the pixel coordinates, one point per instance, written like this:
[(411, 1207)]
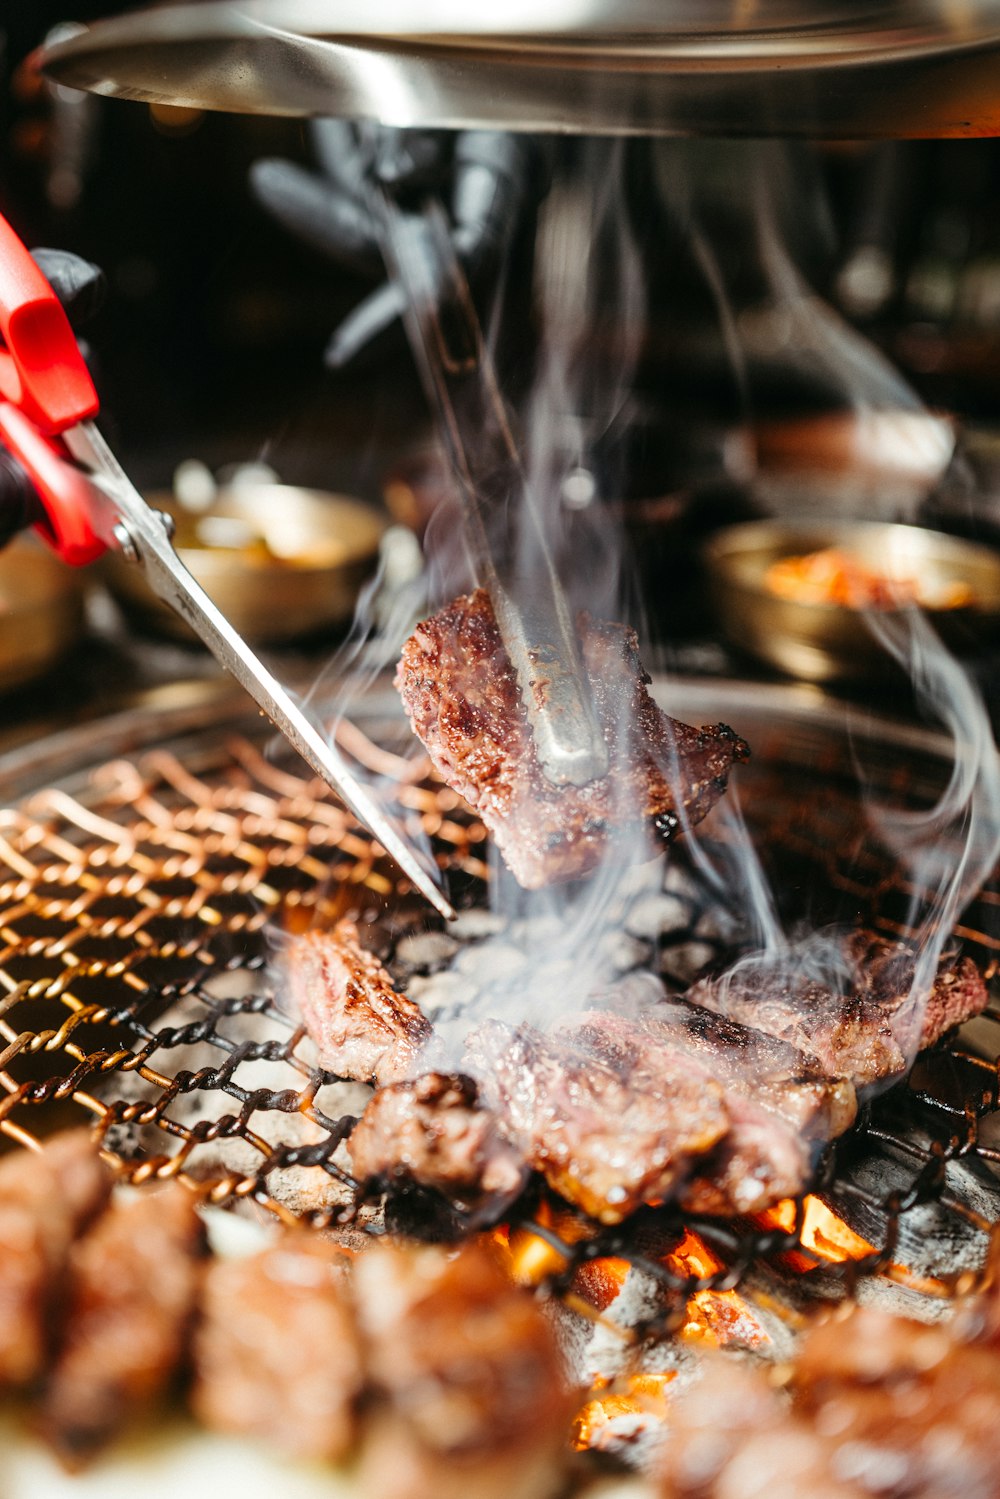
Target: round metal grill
[(142, 900)]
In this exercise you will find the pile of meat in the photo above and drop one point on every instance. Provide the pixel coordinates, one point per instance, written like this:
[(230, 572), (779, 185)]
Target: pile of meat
[(721, 1100), (443, 1376), (877, 1407), (462, 697)]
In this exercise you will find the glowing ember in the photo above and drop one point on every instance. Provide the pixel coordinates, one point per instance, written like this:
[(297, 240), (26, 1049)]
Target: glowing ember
[(715, 1317), (600, 1281), (613, 1415), (721, 1317), (533, 1259), (692, 1257), (824, 1234)]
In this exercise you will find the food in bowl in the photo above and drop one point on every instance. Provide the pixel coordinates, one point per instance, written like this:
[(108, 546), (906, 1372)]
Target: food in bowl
[(834, 575)]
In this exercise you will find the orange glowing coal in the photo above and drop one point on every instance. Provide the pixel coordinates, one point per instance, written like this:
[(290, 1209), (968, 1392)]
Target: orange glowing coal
[(629, 1403), (717, 1318), (713, 1317), (531, 1258), (824, 1234), (691, 1256)]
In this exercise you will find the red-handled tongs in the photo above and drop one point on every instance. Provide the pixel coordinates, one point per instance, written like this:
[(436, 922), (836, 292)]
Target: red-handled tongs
[(47, 400)]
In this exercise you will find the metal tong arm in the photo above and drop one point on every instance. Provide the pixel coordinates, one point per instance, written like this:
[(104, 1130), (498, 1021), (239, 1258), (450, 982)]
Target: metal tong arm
[(130, 525), (504, 532)]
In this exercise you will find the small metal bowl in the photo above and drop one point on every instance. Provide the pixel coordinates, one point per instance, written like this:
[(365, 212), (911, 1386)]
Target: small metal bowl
[(41, 612), (823, 642), (282, 563)]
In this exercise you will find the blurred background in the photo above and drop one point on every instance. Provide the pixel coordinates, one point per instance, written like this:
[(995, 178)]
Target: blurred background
[(765, 381)]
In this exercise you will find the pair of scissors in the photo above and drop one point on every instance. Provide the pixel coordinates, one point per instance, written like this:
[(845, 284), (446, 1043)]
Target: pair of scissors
[(47, 406)]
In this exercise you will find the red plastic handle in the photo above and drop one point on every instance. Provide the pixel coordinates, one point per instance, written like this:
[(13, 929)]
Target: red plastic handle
[(64, 490), (42, 370)]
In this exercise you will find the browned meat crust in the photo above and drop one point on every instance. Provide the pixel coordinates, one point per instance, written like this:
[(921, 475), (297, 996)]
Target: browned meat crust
[(462, 697), (866, 1035), (473, 1395), (363, 1028), (913, 1403), (608, 1132), (433, 1131), (45, 1201), (778, 1103), (881, 1407), (276, 1352), (133, 1281), (733, 1434)]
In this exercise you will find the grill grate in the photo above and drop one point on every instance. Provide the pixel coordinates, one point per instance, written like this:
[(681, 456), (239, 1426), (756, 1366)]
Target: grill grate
[(138, 913)]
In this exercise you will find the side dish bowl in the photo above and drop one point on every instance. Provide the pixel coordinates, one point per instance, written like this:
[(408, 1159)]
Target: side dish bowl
[(41, 611), (957, 581), (281, 562)]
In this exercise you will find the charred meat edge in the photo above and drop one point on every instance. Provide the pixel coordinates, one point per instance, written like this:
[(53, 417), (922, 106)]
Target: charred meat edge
[(463, 700)]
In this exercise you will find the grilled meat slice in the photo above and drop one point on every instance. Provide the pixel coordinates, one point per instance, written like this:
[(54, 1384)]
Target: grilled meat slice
[(733, 1434), (276, 1352), (915, 1410), (473, 1395), (363, 1028), (779, 1105), (432, 1131), (45, 1201), (133, 1281), (460, 691), (607, 1132), (865, 1035)]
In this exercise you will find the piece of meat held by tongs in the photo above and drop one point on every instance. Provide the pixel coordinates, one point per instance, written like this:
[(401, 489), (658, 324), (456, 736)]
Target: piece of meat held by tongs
[(540, 720), (504, 533)]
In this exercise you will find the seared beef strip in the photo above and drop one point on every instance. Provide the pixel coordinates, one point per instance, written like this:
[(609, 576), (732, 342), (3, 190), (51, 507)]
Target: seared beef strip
[(363, 1028), (132, 1286), (607, 1132), (460, 691), (276, 1352), (45, 1201), (779, 1105), (432, 1131), (865, 1035), (473, 1395)]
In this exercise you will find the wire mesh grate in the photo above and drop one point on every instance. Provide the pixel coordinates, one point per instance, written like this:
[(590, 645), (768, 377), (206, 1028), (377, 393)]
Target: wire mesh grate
[(138, 916)]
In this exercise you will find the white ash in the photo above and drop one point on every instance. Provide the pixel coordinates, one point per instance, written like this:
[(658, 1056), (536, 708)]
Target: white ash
[(340, 1098), (901, 1301), (538, 933), (658, 915), (610, 1350), (426, 950), (231, 1151), (680, 879), (716, 924), (933, 1241), (442, 996), (641, 879), (683, 963), (476, 924), (624, 952), (490, 962)]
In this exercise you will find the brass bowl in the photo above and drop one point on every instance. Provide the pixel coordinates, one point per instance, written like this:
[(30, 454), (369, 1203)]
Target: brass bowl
[(282, 563), (824, 642), (41, 612)]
